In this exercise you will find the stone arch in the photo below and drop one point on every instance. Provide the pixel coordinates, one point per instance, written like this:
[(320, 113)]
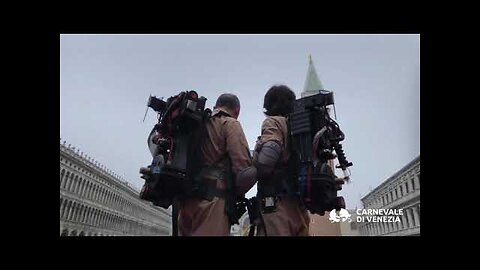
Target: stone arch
[(73, 233), (97, 217), (94, 192), (65, 209), (105, 196), (70, 184), (102, 197), (80, 188), (89, 215), (107, 201), (69, 212), (97, 192), (82, 233), (102, 218), (89, 190), (74, 211), (62, 174), (79, 212), (77, 184), (64, 232), (72, 180), (84, 189), (112, 198), (82, 216), (62, 207), (67, 180)]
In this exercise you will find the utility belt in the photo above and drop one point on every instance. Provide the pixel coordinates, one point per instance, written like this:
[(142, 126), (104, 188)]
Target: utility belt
[(206, 186), (275, 188)]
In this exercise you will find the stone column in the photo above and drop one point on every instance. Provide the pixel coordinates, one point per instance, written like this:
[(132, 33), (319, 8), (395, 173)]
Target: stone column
[(84, 187), (416, 216), (416, 181), (65, 210), (79, 212), (67, 182), (92, 219), (90, 192), (409, 218), (62, 206), (84, 216), (95, 218), (79, 216), (404, 187), (74, 186), (74, 213), (69, 212)]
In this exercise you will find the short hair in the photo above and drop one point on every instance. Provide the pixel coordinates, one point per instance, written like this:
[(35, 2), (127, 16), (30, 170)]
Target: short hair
[(229, 101), (279, 100)]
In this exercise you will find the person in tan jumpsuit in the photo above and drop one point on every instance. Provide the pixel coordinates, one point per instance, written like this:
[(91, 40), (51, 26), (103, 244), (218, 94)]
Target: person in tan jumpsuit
[(287, 217), (225, 149)]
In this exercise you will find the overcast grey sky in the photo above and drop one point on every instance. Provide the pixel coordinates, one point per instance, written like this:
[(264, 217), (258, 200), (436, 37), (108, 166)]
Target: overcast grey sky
[(105, 81)]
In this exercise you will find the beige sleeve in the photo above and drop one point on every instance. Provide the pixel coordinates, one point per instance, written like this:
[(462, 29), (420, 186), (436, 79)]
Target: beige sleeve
[(271, 131), (237, 146)]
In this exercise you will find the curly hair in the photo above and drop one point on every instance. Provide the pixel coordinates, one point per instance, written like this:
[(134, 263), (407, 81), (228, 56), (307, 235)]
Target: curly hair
[(279, 101)]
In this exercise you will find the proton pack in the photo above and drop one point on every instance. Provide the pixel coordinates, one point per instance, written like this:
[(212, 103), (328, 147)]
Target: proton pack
[(314, 136), (174, 142)]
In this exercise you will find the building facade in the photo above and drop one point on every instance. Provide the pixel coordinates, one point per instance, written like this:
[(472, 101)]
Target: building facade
[(96, 202), (400, 191)]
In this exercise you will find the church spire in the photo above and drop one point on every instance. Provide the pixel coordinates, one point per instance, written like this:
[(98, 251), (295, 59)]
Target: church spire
[(312, 82)]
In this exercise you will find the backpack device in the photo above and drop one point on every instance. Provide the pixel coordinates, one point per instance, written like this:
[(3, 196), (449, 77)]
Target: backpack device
[(174, 144), (314, 137)]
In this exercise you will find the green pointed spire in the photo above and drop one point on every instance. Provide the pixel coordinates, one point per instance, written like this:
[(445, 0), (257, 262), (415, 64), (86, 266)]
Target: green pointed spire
[(312, 82)]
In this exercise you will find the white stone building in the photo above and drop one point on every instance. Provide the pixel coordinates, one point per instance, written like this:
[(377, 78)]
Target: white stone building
[(96, 202), (400, 191)]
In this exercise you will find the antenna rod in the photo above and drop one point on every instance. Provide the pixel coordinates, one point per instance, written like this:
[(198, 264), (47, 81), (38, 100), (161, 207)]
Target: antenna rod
[(147, 108)]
